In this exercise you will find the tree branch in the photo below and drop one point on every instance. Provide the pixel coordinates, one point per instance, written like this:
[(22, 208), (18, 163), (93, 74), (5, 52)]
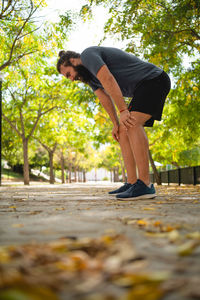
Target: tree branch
[(48, 110), (12, 125), (19, 36), (9, 62), (6, 8), (43, 145), (35, 125), (22, 121)]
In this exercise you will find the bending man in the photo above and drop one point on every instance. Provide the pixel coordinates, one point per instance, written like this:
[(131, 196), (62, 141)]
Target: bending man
[(114, 74)]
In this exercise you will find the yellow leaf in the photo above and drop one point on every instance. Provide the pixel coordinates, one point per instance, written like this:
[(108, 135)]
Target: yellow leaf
[(173, 236), (60, 208), (147, 292), (149, 208), (129, 222), (188, 247), (31, 293), (194, 235), (157, 223), (142, 222), (107, 239), (168, 228), (4, 256), (156, 234), (17, 225)]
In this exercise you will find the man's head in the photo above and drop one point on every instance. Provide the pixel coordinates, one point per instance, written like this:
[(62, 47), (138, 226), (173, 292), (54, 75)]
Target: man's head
[(69, 65)]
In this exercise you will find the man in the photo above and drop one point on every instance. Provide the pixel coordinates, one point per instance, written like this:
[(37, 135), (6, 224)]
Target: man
[(114, 74)]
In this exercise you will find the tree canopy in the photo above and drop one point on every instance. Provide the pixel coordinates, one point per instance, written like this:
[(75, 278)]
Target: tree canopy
[(40, 108)]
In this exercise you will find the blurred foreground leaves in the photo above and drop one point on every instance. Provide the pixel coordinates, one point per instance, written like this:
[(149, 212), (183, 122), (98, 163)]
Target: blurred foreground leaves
[(103, 268)]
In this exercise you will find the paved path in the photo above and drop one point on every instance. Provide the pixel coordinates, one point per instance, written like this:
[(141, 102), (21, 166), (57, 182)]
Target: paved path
[(164, 231)]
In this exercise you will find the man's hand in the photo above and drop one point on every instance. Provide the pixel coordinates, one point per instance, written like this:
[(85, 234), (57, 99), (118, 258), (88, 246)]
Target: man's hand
[(127, 119), (115, 133)]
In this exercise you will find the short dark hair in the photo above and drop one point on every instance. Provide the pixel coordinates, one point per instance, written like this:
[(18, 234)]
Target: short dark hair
[(65, 58)]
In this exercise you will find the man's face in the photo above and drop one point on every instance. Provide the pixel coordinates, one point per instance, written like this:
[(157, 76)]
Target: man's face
[(69, 72), (77, 72)]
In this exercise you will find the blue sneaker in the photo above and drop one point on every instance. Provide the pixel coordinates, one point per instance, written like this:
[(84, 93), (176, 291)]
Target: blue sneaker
[(138, 190), (122, 189)]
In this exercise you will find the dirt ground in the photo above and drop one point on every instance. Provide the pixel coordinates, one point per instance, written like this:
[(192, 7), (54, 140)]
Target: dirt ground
[(74, 241)]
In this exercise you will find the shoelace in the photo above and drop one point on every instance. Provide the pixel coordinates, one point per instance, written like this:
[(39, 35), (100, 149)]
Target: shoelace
[(134, 185)]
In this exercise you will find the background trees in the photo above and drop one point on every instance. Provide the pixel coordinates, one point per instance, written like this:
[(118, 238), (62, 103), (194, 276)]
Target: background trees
[(39, 107), (166, 33), (18, 25)]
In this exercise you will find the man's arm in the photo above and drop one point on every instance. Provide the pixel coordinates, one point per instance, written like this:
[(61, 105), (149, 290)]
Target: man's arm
[(111, 86), (107, 103)]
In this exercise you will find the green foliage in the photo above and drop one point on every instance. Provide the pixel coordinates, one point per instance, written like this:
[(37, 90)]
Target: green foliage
[(110, 157), (11, 146), (165, 33), (18, 36)]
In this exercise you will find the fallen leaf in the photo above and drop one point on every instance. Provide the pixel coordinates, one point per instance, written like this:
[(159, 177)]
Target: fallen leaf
[(142, 223), (4, 255), (157, 223), (148, 292), (17, 225), (60, 208), (28, 293), (149, 208), (194, 235), (173, 236), (35, 212), (188, 248)]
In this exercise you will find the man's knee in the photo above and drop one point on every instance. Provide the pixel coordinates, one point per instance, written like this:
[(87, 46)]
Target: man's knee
[(140, 118), (122, 129)]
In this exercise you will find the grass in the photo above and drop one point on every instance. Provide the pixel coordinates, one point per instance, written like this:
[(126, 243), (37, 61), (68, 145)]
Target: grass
[(13, 176), (10, 175)]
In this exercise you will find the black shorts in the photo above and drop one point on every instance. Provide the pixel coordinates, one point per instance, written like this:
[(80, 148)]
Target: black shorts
[(149, 97)]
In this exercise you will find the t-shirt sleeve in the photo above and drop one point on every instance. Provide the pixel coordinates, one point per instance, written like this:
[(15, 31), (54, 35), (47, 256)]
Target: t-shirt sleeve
[(92, 60)]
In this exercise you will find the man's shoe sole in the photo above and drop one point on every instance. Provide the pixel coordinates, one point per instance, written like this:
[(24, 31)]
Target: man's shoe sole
[(146, 196)]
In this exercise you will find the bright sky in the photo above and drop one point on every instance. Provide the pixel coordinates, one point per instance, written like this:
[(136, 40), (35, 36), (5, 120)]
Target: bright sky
[(86, 34)]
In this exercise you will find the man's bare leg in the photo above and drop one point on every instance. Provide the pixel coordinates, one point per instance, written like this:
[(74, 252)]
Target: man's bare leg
[(140, 146), (127, 154)]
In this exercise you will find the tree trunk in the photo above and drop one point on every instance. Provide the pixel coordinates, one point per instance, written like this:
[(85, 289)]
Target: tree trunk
[(78, 175), (113, 174), (67, 176), (116, 174), (62, 161), (70, 173), (51, 167), (75, 174), (155, 171), (84, 176), (26, 162)]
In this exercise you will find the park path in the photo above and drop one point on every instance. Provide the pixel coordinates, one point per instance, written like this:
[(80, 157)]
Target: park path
[(144, 249)]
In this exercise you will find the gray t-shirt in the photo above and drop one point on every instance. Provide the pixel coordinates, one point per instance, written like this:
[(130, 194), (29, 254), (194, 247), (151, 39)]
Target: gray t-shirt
[(127, 69)]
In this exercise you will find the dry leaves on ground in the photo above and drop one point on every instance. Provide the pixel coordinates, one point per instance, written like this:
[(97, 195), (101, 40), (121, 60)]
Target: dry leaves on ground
[(186, 242), (104, 268)]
